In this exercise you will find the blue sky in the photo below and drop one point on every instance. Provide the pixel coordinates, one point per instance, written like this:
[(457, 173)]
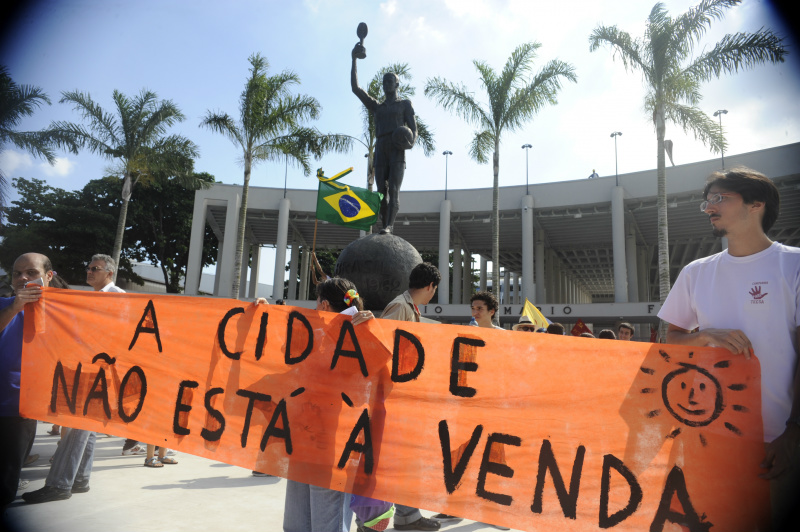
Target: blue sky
[(195, 53)]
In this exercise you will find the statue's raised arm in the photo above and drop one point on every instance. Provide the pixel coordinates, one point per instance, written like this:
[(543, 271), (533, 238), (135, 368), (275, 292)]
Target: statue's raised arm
[(368, 101)]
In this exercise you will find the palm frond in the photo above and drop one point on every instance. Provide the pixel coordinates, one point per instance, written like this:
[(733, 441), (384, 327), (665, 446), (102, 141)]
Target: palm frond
[(103, 126), (517, 67), (625, 48), (41, 143), (481, 146), (738, 51), (83, 138), (457, 99), (289, 112), (425, 138), (223, 123), (690, 27), (541, 91), (693, 120), (17, 101), (158, 117)]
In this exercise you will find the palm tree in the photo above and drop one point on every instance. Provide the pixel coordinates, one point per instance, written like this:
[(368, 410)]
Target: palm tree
[(16, 103), (135, 136), (514, 98), (269, 129), (673, 76), (404, 92)]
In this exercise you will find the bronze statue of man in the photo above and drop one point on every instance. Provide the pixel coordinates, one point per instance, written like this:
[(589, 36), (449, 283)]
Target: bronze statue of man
[(395, 132)]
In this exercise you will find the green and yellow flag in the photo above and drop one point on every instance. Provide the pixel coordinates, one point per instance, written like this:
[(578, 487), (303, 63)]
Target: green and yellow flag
[(343, 205)]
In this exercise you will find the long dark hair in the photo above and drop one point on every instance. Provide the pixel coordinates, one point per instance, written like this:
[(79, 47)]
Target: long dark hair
[(334, 291)]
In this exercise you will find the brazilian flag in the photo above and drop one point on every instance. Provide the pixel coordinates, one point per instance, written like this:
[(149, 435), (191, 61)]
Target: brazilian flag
[(343, 205)]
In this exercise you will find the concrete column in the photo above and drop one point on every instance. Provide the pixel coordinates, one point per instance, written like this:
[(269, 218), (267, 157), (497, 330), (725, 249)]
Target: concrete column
[(642, 276), (253, 293), (528, 286), (633, 270), (217, 275), (484, 273), (541, 283), (305, 262), (550, 275), (226, 267), (294, 259), (570, 290), (506, 286), (457, 262), (280, 248), (246, 250), (618, 240), (556, 283), (194, 264), (444, 251), (466, 274), (724, 243)]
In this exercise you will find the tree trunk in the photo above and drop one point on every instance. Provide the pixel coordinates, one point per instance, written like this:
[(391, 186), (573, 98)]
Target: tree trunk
[(123, 215), (496, 220), (663, 228), (237, 265)]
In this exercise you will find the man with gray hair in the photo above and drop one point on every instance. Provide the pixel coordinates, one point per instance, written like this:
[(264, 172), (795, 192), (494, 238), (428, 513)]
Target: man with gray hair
[(72, 463), (100, 274)]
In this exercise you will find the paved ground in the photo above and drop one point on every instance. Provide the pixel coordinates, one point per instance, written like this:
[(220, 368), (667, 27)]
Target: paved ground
[(197, 494)]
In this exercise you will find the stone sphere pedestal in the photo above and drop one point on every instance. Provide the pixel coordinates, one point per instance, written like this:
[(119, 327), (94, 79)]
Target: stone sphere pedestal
[(379, 265)]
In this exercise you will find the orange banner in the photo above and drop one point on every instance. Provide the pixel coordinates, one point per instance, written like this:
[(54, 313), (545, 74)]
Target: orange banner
[(533, 431)]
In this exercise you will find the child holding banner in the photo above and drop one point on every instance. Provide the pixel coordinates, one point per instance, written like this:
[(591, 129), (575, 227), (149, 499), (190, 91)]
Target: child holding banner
[(310, 508)]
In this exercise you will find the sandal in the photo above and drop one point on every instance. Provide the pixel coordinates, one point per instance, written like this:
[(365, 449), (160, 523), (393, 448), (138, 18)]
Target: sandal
[(167, 460), (153, 462)]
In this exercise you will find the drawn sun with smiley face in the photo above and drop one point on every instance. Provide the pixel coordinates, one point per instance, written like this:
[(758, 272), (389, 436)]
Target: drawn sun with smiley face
[(695, 396)]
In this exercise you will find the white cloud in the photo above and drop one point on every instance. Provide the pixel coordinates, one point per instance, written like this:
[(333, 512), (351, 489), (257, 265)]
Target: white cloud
[(389, 7), (11, 161), (61, 168)]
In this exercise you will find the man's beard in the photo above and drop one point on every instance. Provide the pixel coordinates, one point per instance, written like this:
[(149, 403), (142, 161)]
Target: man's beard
[(719, 232)]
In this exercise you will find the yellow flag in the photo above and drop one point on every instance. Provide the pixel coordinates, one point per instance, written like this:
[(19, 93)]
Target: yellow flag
[(533, 313)]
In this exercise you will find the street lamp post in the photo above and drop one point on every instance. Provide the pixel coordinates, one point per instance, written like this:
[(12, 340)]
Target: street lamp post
[(616, 161), (719, 114), (526, 147), (446, 153)]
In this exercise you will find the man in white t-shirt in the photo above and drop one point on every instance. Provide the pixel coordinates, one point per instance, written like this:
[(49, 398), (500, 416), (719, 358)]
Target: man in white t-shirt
[(747, 300)]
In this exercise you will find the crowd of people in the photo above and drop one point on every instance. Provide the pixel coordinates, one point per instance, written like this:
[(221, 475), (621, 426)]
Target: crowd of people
[(745, 299)]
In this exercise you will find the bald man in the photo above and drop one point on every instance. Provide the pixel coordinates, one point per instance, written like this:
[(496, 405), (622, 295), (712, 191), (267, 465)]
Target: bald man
[(17, 432)]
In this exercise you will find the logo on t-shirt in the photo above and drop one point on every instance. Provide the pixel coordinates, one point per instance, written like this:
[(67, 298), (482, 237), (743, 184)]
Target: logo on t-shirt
[(758, 293)]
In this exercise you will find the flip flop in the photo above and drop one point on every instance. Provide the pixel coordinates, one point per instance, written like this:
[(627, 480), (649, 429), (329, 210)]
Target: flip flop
[(167, 460)]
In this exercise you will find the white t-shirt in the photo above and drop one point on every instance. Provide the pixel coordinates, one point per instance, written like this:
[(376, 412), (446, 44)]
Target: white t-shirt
[(111, 287), (758, 294)]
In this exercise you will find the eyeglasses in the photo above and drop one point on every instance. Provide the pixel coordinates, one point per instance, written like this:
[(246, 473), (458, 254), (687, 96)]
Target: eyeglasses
[(527, 329), (713, 200), (95, 269)]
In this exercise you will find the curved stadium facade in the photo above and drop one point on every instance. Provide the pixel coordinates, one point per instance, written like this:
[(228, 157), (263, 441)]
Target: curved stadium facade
[(578, 249)]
